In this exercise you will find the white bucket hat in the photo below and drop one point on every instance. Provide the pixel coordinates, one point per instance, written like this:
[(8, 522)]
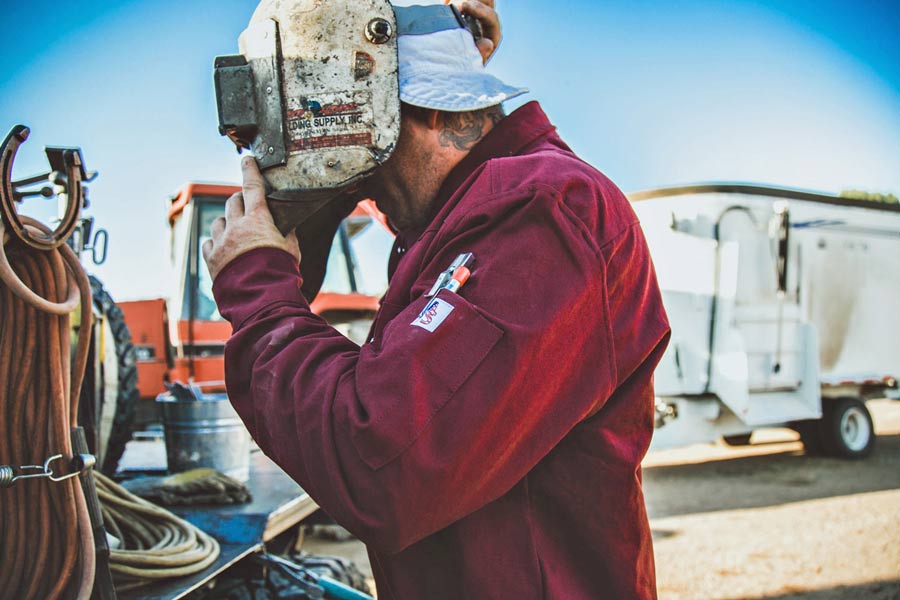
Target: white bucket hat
[(444, 71)]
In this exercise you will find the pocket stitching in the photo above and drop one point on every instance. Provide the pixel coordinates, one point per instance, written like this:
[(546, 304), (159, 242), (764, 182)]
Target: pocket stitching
[(496, 334)]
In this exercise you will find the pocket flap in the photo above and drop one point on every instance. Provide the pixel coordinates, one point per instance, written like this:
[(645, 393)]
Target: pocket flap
[(410, 374)]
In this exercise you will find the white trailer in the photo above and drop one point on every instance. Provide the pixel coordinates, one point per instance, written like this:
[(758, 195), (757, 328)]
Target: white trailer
[(785, 311)]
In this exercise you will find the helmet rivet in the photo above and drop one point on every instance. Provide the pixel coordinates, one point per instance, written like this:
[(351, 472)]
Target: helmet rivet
[(271, 150), (379, 31)]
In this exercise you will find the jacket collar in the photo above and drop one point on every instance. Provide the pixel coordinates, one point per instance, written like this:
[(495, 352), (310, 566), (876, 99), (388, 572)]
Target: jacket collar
[(510, 137)]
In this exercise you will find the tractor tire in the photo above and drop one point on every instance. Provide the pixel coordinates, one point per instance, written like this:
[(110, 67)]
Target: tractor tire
[(846, 428), (126, 395), (742, 439)]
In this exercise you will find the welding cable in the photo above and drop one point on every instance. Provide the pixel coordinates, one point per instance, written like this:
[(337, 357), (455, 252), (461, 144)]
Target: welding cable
[(47, 543), (157, 543)]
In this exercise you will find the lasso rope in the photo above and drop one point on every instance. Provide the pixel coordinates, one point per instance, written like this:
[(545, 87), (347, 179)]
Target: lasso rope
[(46, 530), (47, 546)]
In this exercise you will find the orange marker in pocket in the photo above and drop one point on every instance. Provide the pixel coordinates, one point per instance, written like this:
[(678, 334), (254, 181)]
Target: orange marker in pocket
[(458, 279)]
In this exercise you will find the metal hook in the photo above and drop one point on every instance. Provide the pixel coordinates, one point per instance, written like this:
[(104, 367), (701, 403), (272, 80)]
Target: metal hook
[(80, 463), (10, 475), (68, 163)]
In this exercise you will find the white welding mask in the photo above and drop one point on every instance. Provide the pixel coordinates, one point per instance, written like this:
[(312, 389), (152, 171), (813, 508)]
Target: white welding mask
[(314, 93)]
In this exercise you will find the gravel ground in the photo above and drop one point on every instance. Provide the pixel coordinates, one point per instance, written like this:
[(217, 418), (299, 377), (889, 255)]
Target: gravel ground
[(766, 521)]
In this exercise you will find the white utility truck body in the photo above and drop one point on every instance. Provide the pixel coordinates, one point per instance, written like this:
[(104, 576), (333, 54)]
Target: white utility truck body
[(782, 304)]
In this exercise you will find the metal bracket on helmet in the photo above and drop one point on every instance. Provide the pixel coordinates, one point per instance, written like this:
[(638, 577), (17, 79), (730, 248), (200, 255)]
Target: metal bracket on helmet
[(248, 96), (234, 99)]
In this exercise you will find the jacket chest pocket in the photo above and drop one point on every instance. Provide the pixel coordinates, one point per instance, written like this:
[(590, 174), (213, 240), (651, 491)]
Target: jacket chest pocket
[(406, 378)]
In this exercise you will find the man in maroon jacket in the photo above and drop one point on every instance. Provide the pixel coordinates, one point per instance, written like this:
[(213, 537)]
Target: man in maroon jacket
[(486, 442)]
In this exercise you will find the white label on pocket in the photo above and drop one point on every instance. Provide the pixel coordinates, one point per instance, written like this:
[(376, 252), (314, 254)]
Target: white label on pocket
[(434, 314)]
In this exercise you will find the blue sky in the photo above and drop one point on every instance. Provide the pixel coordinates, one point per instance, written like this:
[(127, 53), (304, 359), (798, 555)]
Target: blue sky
[(797, 93)]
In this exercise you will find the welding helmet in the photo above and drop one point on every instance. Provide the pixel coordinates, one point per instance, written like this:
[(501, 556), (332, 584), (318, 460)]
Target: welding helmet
[(315, 93)]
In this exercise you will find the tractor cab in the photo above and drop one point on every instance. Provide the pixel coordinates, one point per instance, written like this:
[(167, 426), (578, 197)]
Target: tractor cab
[(182, 337)]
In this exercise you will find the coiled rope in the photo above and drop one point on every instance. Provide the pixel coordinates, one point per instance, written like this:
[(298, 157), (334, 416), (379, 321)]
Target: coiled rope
[(158, 544), (47, 546)]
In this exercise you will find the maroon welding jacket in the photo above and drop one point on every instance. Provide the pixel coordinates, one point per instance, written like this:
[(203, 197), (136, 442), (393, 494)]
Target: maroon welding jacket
[(490, 446)]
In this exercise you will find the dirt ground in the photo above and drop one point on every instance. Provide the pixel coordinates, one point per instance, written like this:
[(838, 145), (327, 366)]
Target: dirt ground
[(766, 521)]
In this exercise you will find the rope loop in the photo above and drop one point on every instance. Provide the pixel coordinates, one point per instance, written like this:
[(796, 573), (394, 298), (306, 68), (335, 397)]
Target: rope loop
[(14, 283)]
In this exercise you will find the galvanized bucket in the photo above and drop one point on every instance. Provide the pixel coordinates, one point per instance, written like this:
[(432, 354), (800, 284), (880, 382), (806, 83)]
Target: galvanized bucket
[(205, 433)]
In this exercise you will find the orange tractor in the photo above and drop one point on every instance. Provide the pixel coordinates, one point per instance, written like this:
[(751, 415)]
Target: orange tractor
[(182, 337)]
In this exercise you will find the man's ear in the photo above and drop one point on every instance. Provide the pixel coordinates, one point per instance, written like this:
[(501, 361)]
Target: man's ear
[(434, 119), (429, 118)]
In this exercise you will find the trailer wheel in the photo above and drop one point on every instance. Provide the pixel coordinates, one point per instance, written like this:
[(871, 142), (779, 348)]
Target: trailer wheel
[(126, 396), (741, 439), (846, 428)]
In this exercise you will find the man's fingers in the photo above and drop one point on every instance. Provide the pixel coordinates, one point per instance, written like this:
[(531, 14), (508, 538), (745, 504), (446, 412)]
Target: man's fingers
[(254, 186), (207, 249), (234, 206), (217, 228), (486, 48), (483, 10)]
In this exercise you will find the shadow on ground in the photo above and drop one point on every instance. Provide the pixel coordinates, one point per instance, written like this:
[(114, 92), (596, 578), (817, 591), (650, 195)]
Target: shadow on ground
[(874, 590), (768, 480)]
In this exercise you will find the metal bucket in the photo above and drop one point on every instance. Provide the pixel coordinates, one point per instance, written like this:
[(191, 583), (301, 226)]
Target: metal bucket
[(205, 433)]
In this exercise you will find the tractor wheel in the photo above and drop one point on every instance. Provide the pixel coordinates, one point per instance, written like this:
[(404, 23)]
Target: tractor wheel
[(846, 428), (118, 414)]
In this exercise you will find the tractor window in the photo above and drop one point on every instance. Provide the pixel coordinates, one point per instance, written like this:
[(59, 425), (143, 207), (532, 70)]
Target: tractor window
[(358, 258), (339, 279), (357, 261), (206, 309), (371, 247)]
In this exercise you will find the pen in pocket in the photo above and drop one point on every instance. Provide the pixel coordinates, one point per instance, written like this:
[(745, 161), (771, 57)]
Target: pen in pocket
[(446, 277), (457, 280)]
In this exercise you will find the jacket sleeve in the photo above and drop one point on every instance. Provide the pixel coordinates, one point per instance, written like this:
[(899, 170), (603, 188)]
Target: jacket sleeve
[(402, 437)]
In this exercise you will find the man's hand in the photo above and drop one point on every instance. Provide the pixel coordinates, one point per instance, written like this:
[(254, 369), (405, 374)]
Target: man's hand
[(484, 11), (247, 224)]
